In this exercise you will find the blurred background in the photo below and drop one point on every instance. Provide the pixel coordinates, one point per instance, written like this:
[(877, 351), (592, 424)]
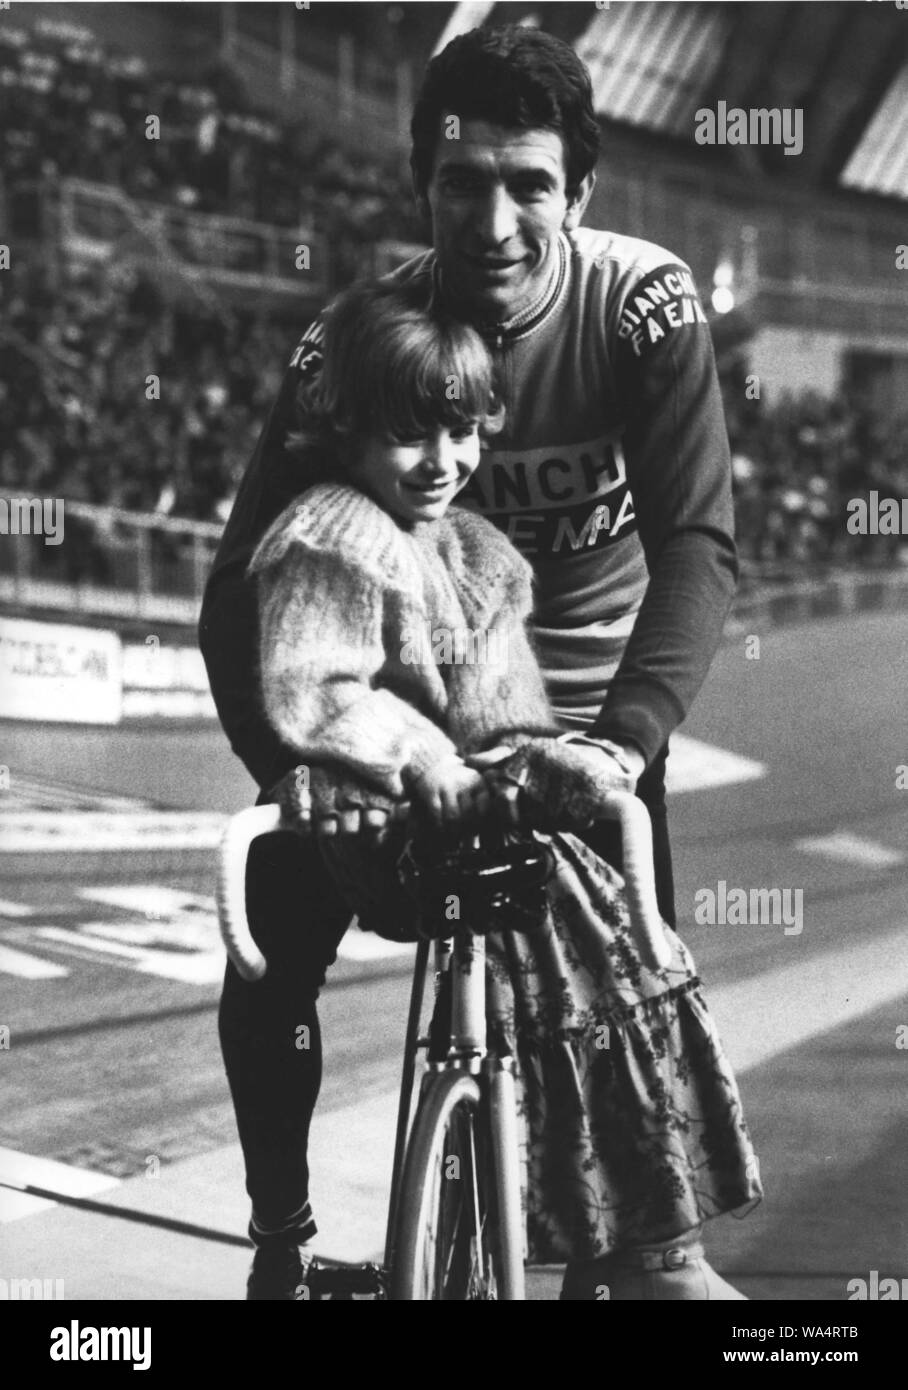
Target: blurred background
[(280, 126)]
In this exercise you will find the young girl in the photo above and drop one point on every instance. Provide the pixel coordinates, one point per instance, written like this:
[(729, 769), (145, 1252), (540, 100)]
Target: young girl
[(394, 646)]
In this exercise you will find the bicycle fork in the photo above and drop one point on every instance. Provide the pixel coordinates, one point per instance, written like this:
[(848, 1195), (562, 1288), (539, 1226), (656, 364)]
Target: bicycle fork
[(467, 961)]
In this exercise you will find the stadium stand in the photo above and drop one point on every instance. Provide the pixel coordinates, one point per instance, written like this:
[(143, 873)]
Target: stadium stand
[(175, 256), (71, 109)]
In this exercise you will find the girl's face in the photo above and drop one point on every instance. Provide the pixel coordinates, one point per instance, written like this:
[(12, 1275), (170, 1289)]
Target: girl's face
[(417, 479)]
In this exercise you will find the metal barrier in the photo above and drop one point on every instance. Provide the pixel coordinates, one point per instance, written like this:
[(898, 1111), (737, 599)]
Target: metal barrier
[(812, 263), (125, 564), (95, 218), (332, 103)]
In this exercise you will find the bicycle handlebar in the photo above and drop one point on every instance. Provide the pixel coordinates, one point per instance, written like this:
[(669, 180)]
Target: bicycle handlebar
[(639, 875), (242, 829), (623, 806)]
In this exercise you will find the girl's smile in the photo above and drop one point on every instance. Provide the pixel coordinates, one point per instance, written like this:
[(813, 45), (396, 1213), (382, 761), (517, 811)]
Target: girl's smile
[(417, 479)]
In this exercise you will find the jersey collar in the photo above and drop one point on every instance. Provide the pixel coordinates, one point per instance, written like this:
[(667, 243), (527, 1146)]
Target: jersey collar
[(535, 314)]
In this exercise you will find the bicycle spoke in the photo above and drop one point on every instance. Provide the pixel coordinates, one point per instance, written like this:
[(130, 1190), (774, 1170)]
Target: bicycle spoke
[(457, 1251), (452, 1247), (453, 1196), (477, 1221)]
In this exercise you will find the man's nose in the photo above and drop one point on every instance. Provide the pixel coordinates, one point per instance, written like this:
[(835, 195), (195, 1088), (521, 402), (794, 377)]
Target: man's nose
[(497, 220)]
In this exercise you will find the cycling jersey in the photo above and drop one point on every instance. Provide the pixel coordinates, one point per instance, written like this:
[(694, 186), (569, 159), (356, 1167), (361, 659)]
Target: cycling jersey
[(612, 475)]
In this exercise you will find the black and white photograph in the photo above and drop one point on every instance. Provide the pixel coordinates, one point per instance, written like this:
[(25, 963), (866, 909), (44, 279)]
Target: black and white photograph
[(453, 662)]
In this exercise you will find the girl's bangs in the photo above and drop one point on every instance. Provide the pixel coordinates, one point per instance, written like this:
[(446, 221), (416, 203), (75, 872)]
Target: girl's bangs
[(443, 386)]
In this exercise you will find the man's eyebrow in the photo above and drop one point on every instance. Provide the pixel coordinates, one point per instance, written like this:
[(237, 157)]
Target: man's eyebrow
[(536, 172), (461, 167), (523, 171)]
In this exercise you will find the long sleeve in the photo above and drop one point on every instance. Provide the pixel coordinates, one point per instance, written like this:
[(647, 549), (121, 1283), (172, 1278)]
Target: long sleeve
[(228, 624), (680, 476), (497, 691), (504, 695), (324, 626)]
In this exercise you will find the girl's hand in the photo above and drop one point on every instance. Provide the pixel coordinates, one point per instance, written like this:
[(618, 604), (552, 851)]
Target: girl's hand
[(447, 790), (329, 802), (495, 799)]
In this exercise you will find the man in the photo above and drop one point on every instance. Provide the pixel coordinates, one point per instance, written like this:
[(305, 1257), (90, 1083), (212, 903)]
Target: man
[(612, 475)]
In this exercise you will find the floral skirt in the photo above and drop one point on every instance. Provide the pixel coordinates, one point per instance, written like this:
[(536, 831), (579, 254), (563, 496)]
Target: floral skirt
[(632, 1121)]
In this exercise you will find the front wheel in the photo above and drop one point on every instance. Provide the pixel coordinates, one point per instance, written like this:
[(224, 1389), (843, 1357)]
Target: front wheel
[(448, 1242)]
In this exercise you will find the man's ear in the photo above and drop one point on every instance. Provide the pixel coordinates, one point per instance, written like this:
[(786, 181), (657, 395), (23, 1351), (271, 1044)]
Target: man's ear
[(577, 207), (420, 197)]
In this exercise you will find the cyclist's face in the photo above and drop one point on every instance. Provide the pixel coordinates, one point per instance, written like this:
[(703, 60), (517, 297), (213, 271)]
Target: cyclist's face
[(497, 199), (417, 479)]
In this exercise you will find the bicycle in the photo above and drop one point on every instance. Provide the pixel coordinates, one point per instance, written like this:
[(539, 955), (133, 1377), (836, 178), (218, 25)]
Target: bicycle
[(455, 1222)]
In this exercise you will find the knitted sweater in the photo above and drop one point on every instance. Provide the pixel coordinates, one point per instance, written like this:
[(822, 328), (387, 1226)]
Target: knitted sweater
[(611, 475), (388, 645)]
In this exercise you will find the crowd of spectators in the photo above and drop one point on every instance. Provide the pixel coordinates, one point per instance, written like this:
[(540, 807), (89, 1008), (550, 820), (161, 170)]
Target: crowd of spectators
[(70, 109), (79, 342), (108, 395), (79, 421), (797, 462)]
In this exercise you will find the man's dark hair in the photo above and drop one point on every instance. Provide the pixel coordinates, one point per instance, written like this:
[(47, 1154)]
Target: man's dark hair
[(509, 76)]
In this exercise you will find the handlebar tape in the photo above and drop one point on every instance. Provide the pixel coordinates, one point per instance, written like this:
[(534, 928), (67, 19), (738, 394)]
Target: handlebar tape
[(639, 880), (241, 830)]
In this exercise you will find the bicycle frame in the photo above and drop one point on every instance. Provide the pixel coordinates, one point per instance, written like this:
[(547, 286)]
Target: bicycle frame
[(464, 957)]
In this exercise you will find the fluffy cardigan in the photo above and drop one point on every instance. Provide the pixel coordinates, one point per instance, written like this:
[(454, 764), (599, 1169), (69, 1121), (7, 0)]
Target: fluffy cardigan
[(386, 645)]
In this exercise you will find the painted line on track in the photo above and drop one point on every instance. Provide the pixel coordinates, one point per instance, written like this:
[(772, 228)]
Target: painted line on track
[(118, 824), (52, 832), (694, 766), (29, 967), (764, 1015), (153, 929), (851, 849), (21, 1170), (758, 1019)]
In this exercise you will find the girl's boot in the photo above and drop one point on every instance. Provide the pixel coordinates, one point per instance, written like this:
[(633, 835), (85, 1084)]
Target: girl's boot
[(667, 1271)]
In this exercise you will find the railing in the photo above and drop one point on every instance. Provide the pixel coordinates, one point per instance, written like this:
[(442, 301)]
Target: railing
[(835, 270), (114, 563), (97, 218), (814, 262), (333, 104), (124, 564)]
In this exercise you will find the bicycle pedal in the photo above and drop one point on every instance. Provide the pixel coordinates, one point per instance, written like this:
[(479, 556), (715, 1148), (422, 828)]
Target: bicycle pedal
[(343, 1283)]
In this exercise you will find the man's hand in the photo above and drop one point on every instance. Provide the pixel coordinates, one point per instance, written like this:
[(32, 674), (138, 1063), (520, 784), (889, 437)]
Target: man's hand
[(331, 801), (549, 782), (635, 762)]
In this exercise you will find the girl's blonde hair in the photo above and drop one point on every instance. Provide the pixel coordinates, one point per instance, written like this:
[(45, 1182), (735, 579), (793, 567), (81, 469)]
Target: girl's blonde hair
[(395, 368)]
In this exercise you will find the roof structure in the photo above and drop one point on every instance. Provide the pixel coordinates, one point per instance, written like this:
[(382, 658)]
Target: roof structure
[(655, 63)]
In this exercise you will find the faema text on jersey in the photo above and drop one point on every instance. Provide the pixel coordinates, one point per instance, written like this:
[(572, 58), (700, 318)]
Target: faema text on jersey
[(557, 499), (661, 303)]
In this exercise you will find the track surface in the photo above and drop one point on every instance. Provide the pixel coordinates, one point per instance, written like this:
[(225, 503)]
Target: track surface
[(109, 968)]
